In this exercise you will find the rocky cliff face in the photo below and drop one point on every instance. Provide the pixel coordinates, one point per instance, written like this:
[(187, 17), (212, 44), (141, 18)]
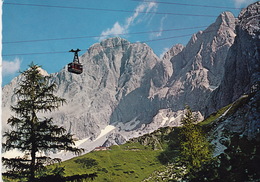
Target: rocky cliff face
[(242, 68), (240, 86), (198, 69), (109, 90)]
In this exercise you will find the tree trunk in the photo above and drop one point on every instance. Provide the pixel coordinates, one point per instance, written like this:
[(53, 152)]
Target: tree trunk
[(32, 167), (33, 151)]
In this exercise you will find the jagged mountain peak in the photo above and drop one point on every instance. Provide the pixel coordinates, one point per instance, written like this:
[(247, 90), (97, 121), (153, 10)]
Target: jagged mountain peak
[(117, 41), (251, 10), (117, 44), (226, 18), (198, 69), (117, 53), (223, 27), (242, 68), (176, 49), (114, 41), (219, 31), (249, 20), (112, 44)]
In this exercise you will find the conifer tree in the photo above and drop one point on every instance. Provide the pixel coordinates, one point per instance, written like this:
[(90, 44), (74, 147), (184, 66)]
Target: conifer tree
[(195, 150), (32, 135)]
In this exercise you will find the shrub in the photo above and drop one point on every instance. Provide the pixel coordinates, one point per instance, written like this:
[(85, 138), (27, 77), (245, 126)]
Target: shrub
[(87, 162)]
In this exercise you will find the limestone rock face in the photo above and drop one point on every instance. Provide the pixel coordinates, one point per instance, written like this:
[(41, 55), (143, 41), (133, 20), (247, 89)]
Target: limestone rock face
[(198, 69), (175, 50), (163, 71), (107, 90), (242, 68), (114, 139), (242, 119)]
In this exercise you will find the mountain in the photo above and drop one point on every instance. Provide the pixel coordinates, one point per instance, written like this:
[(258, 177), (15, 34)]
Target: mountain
[(242, 76), (126, 90), (198, 69), (112, 89), (242, 68), (114, 74)]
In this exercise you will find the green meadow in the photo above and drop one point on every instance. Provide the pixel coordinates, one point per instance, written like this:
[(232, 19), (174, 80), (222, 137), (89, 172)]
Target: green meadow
[(128, 162)]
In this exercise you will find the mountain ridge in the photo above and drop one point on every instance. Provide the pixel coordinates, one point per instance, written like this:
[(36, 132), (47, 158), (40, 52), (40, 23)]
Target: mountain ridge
[(130, 90)]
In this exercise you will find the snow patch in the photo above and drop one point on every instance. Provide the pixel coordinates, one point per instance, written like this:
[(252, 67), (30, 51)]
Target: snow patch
[(212, 87), (43, 72), (176, 120), (105, 131), (79, 142), (164, 119)]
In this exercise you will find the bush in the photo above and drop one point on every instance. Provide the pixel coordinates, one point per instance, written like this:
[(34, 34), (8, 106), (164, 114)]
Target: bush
[(87, 162), (103, 170)]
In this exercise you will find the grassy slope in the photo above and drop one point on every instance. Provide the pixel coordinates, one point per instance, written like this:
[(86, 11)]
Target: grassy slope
[(129, 162), (232, 108), (214, 116)]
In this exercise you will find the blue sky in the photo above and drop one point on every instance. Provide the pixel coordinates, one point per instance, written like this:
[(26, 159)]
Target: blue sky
[(53, 27)]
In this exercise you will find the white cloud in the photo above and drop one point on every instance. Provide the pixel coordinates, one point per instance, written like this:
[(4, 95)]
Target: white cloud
[(240, 3), (118, 28), (151, 5), (115, 30), (159, 33), (11, 67), (138, 9), (164, 51)]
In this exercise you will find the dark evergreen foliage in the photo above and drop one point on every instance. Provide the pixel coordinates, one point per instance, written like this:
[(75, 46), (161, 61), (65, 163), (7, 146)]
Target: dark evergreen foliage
[(58, 176), (87, 162), (30, 134), (170, 154), (188, 149), (195, 150), (239, 162)]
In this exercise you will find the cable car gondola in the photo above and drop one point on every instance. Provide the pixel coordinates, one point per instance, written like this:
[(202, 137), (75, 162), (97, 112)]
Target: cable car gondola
[(75, 66)]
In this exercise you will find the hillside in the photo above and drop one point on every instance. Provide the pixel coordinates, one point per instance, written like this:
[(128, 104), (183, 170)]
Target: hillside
[(147, 156), (151, 157), (127, 162)]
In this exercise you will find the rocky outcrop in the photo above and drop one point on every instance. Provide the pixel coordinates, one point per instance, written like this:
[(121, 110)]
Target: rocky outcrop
[(114, 139), (111, 87), (163, 71), (198, 69), (242, 67), (174, 51)]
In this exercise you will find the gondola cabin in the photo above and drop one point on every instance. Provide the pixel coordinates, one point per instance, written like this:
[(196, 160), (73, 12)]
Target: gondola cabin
[(75, 66)]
